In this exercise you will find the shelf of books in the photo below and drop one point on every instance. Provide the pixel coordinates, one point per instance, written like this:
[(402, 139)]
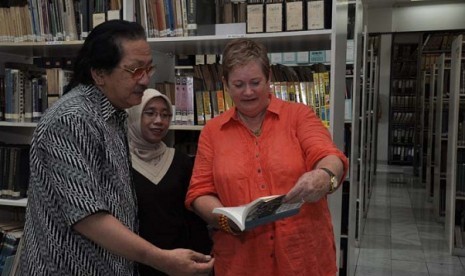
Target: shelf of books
[(403, 112), (455, 190)]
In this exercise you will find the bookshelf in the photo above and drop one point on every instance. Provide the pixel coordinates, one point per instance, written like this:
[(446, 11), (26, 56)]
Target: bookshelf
[(427, 107), (359, 38), (364, 122), (371, 110), (403, 112), (332, 40), (455, 206)]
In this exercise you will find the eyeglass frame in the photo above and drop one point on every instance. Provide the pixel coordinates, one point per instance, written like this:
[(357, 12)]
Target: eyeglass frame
[(149, 70), (164, 117)]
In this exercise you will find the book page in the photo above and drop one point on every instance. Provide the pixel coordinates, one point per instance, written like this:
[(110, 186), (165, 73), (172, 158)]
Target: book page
[(236, 214), (264, 208)]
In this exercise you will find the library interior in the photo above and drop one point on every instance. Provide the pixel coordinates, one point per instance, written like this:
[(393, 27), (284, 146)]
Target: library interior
[(386, 77)]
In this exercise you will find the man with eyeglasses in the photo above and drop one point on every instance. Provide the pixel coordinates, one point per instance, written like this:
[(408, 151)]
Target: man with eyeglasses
[(81, 217)]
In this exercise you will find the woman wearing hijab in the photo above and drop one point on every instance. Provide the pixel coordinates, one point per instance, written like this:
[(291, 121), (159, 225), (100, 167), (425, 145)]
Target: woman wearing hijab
[(161, 176)]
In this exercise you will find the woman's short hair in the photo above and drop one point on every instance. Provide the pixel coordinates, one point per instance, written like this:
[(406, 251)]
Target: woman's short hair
[(241, 51)]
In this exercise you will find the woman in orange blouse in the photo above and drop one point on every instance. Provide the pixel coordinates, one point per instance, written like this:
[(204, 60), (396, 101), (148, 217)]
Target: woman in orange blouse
[(265, 146)]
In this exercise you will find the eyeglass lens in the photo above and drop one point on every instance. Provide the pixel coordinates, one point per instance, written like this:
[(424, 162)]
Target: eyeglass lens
[(139, 72)]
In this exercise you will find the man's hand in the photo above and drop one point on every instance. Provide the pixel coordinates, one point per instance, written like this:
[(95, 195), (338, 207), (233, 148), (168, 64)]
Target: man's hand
[(186, 262)]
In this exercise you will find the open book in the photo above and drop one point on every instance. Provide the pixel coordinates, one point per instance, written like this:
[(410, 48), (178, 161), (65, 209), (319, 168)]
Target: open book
[(260, 211)]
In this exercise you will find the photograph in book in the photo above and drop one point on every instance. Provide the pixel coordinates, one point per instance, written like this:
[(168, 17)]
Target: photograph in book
[(260, 211)]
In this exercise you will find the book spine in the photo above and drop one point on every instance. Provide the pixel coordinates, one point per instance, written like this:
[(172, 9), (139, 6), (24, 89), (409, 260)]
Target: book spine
[(199, 108), (189, 98), (191, 17), (184, 18)]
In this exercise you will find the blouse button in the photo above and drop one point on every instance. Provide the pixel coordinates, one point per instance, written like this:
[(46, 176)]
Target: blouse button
[(263, 186)]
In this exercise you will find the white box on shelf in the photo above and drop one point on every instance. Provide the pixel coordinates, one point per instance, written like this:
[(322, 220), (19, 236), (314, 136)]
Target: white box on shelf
[(289, 58), (302, 57), (350, 50), (230, 29), (348, 110), (276, 58)]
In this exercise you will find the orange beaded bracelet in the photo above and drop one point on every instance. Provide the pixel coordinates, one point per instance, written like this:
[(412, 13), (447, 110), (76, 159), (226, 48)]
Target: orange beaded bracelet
[(224, 225)]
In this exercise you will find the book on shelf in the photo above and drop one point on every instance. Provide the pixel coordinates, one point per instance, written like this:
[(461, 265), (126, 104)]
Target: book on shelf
[(169, 15), (64, 20), (10, 235), (228, 11), (214, 103), (319, 14), (178, 18), (207, 106), (260, 211), (16, 259), (294, 15), (191, 12), (199, 108), (228, 102), (167, 88), (255, 17), (21, 81), (14, 171), (274, 16), (9, 247), (184, 99)]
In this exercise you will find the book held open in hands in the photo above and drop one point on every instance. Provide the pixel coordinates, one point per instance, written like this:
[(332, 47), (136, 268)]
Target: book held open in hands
[(260, 211)]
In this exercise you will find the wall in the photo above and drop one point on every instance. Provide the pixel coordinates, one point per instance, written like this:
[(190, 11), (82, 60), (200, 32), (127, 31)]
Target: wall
[(417, 17)]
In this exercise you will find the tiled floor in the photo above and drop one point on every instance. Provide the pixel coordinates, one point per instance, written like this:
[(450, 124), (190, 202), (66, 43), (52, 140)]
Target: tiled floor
[(401, 237)]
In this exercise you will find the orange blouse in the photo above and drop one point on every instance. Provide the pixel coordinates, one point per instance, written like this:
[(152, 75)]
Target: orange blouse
[(238, 167)]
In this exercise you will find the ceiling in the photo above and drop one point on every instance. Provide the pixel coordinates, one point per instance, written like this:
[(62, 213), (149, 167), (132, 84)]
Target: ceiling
[(390, 3), (383, 3)]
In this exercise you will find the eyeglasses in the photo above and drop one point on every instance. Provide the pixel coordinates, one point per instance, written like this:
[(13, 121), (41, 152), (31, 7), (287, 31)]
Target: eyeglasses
[(153, 115), (138, 73)]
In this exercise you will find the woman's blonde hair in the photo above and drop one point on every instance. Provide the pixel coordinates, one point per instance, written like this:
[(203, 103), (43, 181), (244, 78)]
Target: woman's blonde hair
[(240, 52)]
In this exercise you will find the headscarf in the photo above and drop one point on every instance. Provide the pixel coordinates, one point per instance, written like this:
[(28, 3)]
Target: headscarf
[(150, 160)]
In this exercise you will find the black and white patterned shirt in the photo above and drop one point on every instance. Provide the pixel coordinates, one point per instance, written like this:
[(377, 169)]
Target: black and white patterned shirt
[(79, 166)]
